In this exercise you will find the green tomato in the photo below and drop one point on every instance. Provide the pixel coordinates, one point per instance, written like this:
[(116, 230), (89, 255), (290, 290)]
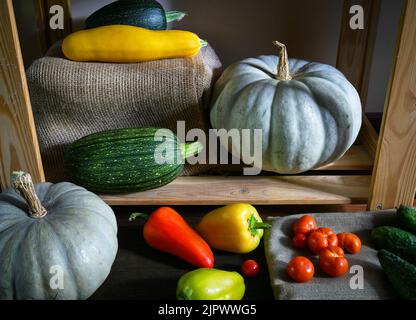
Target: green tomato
[(210, 284)]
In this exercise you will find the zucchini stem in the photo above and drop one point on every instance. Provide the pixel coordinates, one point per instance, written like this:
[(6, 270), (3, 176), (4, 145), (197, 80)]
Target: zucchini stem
[(191, 149), (203, 43), (172, 16)]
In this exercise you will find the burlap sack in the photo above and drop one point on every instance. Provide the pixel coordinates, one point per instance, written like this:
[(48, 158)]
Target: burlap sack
[(71, 99)]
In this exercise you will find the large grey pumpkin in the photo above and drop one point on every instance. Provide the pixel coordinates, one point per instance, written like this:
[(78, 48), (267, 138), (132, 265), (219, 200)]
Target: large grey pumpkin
[(57, 241), (309, 113)]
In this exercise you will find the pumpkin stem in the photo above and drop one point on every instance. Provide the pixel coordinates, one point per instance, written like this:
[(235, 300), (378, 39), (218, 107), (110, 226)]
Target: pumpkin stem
[(283, 72), (23, 184), (172, 16)]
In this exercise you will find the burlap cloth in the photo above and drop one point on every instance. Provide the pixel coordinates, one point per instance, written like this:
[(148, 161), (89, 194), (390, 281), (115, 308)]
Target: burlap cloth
[(279, 251), (72, 99)]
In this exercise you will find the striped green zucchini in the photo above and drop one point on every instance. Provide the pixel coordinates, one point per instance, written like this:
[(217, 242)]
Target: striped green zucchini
[(124, 160)]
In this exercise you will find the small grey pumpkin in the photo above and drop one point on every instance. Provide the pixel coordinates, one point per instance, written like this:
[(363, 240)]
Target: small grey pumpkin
[(57, 241), (309, 113)]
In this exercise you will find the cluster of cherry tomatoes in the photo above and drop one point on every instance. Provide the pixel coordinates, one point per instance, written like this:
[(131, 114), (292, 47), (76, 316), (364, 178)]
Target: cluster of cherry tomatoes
[(324, 243)]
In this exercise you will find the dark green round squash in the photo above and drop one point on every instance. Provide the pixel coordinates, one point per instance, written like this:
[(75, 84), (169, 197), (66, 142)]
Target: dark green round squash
[(147, 14)]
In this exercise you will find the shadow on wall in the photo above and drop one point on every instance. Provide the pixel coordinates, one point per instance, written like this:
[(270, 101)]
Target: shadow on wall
[(244, 28), (239, 29)]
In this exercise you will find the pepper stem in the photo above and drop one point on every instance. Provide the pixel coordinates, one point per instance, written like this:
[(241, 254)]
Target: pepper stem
[(172, 16), (191, 149), (136, 215), (254, 225), (262, 225), (23, 184), (283, 72)]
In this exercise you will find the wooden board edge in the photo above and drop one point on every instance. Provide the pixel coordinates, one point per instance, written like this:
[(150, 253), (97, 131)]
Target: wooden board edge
[(301, 190), (383, 195), (368, 137), (31, 158)]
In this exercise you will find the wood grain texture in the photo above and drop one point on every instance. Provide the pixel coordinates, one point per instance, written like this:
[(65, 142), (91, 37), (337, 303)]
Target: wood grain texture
[(394, 176), (369, 138), (40, 18), (355, 50), (19, 149), (356, 158), (277, 190)]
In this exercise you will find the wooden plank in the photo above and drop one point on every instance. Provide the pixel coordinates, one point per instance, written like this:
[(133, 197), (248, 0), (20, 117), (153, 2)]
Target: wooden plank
[(355, 52), (356, 158), (277, 190), (369, 138), (394, 176), (39, 6), (19, 149), (48, 36), (355, 49)]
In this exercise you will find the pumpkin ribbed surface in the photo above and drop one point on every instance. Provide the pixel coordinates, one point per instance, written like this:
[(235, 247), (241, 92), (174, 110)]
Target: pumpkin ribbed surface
[(308, 120), (66, 254)]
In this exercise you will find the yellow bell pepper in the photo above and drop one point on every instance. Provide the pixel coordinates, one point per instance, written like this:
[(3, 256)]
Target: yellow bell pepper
[(236, 228)]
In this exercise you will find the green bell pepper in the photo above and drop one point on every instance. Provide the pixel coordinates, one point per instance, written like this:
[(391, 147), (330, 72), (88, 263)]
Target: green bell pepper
[(210, 284)]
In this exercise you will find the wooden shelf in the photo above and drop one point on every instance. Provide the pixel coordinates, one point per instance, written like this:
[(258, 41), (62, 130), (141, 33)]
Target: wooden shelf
[(356, 158), (393, 180), (275, 190), (263, 190)]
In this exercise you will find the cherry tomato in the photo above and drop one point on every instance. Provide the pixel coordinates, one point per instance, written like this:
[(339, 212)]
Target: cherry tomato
[(326, 231), (300, 241), (333, 262), (250, 268), (300, 269), (319, 240), (304, 225), (332, 240), (349, 242)]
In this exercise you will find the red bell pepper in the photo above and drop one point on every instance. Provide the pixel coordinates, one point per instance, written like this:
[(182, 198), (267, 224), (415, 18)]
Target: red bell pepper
[(167, 231)]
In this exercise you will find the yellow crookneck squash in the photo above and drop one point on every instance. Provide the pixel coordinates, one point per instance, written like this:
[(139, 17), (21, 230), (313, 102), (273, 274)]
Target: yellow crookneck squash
[(128, 44)]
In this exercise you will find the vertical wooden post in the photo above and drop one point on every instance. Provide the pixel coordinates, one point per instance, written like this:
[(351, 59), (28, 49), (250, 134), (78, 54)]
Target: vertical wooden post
[(394, 176), (19, 149), (355, 52), (49, 36), (39, 6)]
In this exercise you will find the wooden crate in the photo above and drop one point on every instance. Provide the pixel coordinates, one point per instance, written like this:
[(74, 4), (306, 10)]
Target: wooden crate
[(391, 158)]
